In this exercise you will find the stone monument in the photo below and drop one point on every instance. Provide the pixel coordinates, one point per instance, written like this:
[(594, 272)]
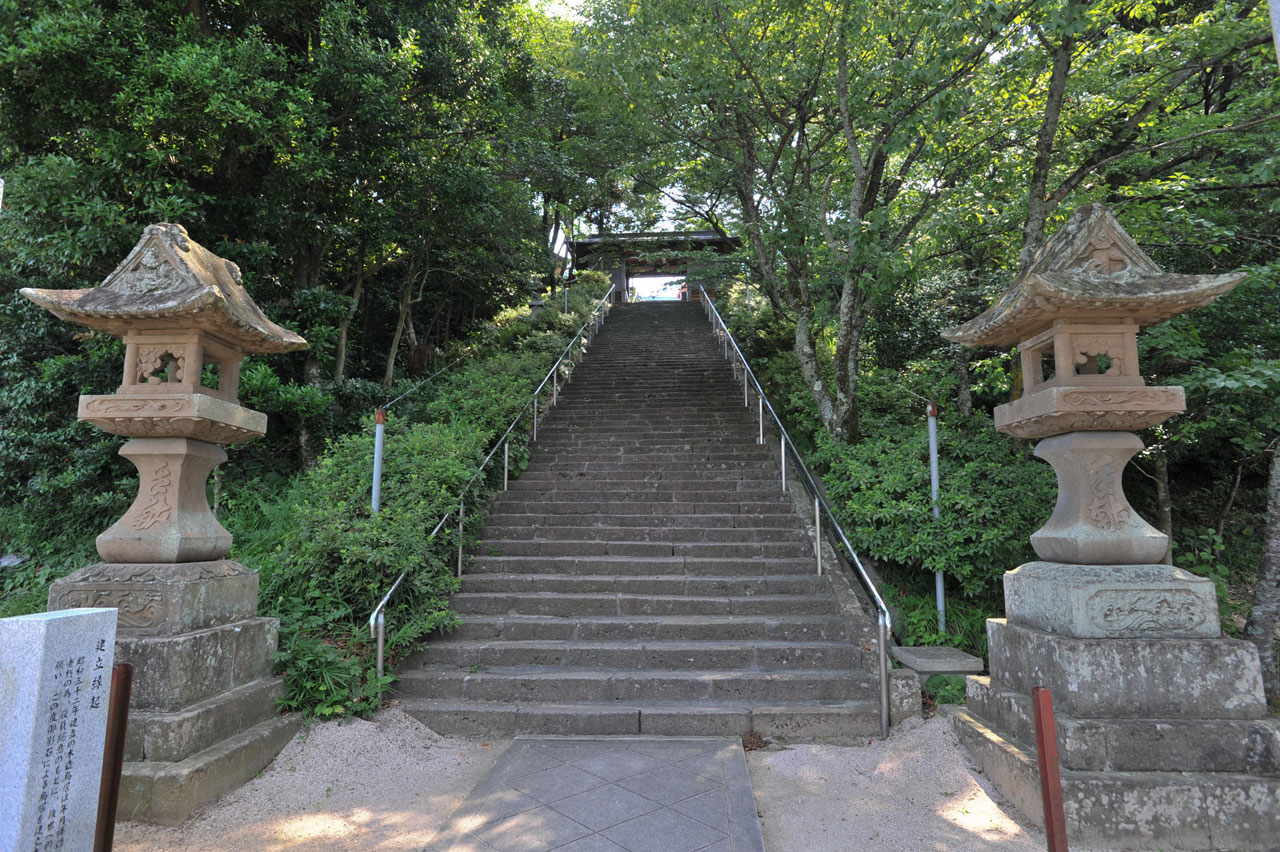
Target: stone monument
[(203, 718), (1164, 740), (53, 699)]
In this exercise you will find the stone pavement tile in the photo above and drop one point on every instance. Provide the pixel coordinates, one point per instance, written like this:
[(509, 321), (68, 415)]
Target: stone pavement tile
[(538, 830), (502, 804), (662, 831), (667, 785), (530, 801), (605, 806), (559, 782), (709, 765), (592, 843), (533, 760), (615, 765), (711, 809)]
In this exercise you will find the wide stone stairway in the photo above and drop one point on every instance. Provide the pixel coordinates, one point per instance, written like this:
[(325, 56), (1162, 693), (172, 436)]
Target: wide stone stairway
[(646, 574)]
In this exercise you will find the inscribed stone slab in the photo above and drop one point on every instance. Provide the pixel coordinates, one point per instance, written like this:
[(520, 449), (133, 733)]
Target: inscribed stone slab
[(54, 689)]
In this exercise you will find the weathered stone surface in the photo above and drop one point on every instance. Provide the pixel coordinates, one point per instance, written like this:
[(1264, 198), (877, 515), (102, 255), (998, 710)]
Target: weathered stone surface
[(926, 660), (55, 686), (1130, 678), (1089, 271), (159, 599), (169, 280), (175, 672), (171, 737), (1056, 410), (169, 793), (197, 415), (1092, 522), (1135, 745), (1134, 810), (169, 520), (1121, 601), (905, 700)]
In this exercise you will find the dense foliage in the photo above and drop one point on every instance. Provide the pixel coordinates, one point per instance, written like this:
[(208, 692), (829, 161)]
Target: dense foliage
[(392, 176)]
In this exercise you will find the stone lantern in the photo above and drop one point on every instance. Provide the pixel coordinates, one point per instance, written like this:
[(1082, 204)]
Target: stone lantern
[(202, 718), (1161, 721)]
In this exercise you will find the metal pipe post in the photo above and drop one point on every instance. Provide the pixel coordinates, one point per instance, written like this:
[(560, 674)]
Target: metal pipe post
[(382, 636), (113, 756), (379, 435), (782, 451), (882, 631), (555, 386), (938, 594), (506, 462), (817, 534), (535, 417), (746, 397), (461, 509), (760, 405)]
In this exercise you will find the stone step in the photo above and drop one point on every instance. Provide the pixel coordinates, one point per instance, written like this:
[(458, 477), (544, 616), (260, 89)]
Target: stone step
[(719, 522), (532, 683), (633, 566), (633, 478), (811, 628), (756, 468), (570, 604), (515, 504), (798, 721), (560, 547), (707, 493), (503, 533), (655, 654)]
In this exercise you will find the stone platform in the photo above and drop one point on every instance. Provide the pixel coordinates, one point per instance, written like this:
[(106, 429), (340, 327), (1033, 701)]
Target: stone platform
[(203, 718), (1164, 743)]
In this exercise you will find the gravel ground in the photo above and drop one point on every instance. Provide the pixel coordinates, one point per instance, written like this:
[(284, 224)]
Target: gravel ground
[(390, 783)]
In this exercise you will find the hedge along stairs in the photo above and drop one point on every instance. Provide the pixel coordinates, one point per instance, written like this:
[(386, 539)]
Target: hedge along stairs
[(646, 574)]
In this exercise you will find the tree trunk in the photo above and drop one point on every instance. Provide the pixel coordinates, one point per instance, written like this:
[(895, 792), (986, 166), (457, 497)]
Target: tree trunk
[(964, 392), (406, 302), (344, 325), (1260, 629), (1164, 503)]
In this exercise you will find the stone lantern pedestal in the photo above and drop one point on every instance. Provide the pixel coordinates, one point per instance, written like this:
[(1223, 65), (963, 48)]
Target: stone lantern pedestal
[(203, 716), (1163, 735)]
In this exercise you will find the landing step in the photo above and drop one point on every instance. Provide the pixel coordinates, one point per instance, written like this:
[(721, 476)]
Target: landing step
[(799, 721)]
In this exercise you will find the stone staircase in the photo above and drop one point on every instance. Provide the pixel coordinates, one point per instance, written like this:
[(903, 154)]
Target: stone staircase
[(646, 574)]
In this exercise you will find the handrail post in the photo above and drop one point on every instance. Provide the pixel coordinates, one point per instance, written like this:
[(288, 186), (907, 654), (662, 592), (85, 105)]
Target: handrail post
[(746, 394), (379, 435), (535, 417), (555, 387), (760, 405), (882, 631), (382, 642), (462, 505), (782, 451), (506, 462), (817, 534)]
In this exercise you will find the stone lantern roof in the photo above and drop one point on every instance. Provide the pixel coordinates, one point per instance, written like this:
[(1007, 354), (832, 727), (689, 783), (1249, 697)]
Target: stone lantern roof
[(168, 282), (1090, 271)]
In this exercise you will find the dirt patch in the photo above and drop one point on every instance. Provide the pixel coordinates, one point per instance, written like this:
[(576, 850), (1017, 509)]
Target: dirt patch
[(386, 784)]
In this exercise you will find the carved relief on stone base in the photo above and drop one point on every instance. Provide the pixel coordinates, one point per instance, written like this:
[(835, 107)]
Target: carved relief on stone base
[(1058, 410), (196, 415), (1092, 522)]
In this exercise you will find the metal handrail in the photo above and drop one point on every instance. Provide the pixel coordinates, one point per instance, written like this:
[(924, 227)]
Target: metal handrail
[(884, 621), (377, 618)]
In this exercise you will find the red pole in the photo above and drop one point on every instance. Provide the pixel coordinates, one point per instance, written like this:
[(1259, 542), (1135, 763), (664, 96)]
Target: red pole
[(1055, 820), (113, 756)]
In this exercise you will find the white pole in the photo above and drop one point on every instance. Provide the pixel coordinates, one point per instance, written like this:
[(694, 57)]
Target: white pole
[(379, 432), (1275, 26), (932, 412)]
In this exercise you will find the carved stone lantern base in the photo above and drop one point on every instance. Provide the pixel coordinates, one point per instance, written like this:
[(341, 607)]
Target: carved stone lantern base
[(1092, 522), (203, 716), (169, 520)]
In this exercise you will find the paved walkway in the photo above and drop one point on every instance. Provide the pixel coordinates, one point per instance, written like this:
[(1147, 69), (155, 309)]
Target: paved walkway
[(615, 794)]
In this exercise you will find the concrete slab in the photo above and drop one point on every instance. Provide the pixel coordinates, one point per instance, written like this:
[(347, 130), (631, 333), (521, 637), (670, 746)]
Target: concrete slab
[(621, 794)]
